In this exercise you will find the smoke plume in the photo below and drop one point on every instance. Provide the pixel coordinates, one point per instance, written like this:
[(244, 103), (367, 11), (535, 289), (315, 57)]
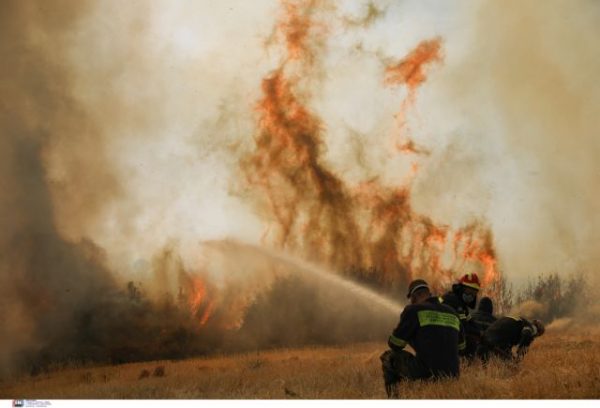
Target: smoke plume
[(526, 149), (378, 140), (44, 278)]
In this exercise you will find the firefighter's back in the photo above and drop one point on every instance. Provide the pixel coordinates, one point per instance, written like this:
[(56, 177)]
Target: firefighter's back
[(504, 332), (437, 339)]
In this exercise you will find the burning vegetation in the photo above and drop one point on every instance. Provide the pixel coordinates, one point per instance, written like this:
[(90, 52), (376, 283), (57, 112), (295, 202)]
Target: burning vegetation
[(367, 231)]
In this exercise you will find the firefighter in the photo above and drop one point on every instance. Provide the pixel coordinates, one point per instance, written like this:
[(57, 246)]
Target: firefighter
[(507, 332), (462, 297), (483, 317), (432, 330)]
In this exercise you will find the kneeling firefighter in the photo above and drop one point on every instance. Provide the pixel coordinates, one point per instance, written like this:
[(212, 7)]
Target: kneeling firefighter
[(462, 297), (433, 331)]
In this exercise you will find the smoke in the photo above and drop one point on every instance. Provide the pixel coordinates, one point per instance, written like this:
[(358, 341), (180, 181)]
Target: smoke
[(171, 109), (524, 154), (43, 277), (59, 301), (124, 126), (530, 309), (581, 319), (69, 103), (293, 302)]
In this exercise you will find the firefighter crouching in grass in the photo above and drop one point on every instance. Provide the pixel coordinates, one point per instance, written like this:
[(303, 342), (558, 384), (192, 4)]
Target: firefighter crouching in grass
[(507, 332), (462, 297), (434, 332), (483, 317)]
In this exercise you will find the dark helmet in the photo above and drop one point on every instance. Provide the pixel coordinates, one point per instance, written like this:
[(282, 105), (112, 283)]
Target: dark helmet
[(486, 305), (416, 285), (539, 326)]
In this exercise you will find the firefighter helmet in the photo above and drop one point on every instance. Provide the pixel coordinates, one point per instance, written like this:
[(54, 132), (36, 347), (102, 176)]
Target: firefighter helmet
[(539, 326), (486, 305), (471, 280), (416, 285)]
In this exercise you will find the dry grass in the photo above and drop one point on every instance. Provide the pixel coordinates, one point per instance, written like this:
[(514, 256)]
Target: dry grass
[(557, 366)]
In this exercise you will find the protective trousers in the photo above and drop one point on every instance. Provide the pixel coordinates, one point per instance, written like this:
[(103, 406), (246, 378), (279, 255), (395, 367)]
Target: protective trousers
[(486, 350), (400, 365)]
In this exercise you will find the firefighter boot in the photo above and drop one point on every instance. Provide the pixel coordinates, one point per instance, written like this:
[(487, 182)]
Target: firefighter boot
[(391, 390)]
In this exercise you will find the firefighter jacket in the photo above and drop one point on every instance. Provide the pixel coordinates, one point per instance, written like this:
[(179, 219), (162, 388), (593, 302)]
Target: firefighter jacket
[(455, 302), (510, 331), (482, 320), (433, 330)]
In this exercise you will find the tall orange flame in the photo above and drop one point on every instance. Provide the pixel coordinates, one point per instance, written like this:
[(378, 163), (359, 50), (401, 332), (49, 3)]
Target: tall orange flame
[(368, 230), (410, 71)]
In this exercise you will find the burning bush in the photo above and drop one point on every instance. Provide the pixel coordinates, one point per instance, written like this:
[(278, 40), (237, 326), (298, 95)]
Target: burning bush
[(126, 326)]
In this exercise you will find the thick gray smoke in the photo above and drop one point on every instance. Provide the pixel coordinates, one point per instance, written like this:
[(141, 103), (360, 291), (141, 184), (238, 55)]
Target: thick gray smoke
[(122, 125), (43, 278), (60, 176), (59, 302), (520, 112)]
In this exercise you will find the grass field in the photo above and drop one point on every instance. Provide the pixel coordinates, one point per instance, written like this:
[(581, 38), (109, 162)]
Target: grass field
[(559, 365)]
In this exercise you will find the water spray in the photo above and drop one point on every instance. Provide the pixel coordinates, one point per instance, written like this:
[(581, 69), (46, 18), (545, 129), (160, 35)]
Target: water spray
[(314, 270)]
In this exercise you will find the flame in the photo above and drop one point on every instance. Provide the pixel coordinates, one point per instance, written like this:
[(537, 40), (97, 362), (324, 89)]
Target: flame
[(410, 71), (200, 306), (409, 146), (295, 28), (300, 30), (368, 230)]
